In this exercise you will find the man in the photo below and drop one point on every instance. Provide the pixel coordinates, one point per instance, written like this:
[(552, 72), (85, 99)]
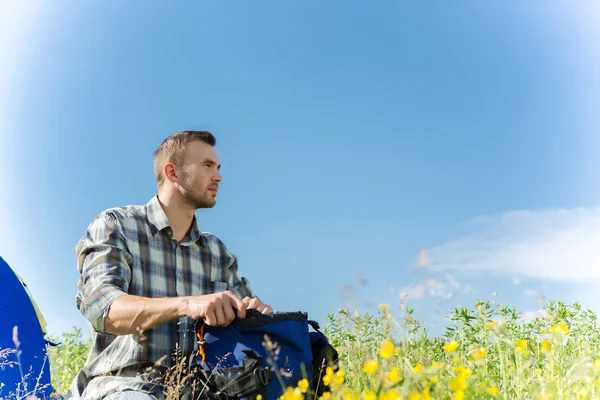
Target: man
[(148, 272)]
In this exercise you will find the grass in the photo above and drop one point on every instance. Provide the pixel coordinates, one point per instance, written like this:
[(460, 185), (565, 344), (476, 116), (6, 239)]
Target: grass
[(487, 352)]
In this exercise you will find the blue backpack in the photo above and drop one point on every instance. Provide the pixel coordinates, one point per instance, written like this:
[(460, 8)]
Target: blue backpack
[(259, 355)]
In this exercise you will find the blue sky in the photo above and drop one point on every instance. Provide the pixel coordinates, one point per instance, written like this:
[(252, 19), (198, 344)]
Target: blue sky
[(352, 137)]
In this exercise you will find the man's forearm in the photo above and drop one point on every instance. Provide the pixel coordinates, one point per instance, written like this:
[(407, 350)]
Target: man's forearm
[(135, 314)]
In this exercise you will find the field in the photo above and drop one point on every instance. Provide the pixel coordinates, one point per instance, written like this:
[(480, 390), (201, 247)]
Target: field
[(487, 352)]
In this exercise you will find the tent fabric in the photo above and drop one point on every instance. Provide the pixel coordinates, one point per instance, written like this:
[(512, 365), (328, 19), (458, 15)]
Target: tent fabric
[(22, 334)]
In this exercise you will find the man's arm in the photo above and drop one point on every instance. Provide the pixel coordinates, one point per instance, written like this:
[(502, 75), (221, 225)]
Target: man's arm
[(105, 267), (135, 314)]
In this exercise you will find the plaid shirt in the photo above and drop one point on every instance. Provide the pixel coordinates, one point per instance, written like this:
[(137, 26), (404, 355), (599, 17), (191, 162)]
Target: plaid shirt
[(131, 250)]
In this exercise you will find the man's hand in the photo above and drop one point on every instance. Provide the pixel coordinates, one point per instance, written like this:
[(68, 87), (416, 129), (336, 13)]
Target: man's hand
[(255, 303), (217, 309)]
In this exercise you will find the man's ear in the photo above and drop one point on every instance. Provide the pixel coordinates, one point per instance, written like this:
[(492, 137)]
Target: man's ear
[(170, 172)]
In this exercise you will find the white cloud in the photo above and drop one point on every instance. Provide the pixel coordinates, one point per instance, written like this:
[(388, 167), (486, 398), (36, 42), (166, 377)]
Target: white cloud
[(432, 288), (560, 245), (533, 315)]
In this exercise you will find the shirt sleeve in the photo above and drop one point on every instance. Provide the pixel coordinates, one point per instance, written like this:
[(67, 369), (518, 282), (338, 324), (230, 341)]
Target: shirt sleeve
[(238, 284), (104, 266)]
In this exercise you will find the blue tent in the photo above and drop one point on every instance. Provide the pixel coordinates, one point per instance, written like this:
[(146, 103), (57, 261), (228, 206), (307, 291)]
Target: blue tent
[(24, 365)]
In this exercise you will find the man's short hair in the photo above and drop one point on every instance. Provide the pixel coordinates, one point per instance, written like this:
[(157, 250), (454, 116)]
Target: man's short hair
[(172, 150)]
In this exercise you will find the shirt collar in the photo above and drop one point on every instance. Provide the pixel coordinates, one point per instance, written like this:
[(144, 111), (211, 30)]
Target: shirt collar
[(159, 221)]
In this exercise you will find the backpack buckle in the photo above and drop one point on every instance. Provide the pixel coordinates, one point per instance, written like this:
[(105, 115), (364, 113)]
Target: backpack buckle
[(263, 375)]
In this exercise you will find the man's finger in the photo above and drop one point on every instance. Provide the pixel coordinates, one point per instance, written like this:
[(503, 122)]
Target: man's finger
[(219, 313), (239, 304), (228, 310), (209, 319), (267, 310)]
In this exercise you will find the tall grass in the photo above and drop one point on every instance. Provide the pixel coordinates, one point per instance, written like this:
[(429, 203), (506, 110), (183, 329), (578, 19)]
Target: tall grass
[(487, 352)]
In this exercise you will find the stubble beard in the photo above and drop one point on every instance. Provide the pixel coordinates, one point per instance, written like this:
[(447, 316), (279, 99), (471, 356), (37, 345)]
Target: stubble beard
[(197, 200)]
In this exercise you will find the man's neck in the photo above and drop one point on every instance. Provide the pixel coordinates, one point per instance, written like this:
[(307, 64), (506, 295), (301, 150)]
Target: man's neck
[(179, 214)]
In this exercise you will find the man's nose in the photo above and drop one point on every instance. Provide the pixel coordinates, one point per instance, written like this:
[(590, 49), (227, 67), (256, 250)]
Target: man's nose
[(217, 177)]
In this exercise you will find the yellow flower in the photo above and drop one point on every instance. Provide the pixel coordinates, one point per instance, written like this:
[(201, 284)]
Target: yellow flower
[(491, 325), (384, 308), (369, 395), (434, 379), (259, 397), (426, 395), (394, 375), (458, 383), (292, 394), (418, 369), (561, 327), (493, 391), (414, 396), (391, 394), (521, 345), (462, 371), (329, 375), (459, 395), (545, 346), (451, 346), (348, 395), (479, 354), (370, 367), (325, 395), (303, 385), (338, 378), (387, 349)]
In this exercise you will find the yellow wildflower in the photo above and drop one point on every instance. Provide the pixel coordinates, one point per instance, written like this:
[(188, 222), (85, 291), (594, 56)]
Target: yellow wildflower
[(303, 385), (479, 354), (561, 327), (325, 396), (491, 325), (387, 349), (521, 345), (545, 346), (384, 308), (459, 395), (451, 346), (493, 391), (414, 396), (418, 369), (394, 375), (426, 395), (259, 397), (292, 394), (458, 383), (391, 394), (369, 395), (462, 371), (370, 367), (338, 378), (347, 395)]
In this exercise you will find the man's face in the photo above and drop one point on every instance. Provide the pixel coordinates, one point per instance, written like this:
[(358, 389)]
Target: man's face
[(200, 177)]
